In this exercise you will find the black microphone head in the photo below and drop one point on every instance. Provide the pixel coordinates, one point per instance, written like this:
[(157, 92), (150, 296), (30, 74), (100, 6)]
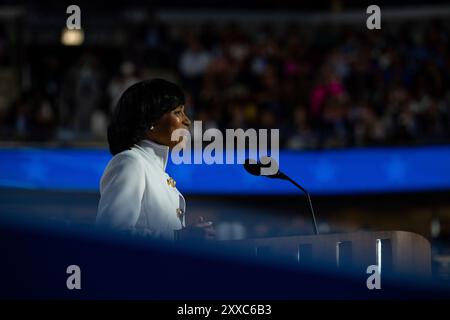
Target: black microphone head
[(254, 167)]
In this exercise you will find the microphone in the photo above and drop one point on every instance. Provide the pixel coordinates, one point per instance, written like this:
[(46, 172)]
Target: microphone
[(254, 168)]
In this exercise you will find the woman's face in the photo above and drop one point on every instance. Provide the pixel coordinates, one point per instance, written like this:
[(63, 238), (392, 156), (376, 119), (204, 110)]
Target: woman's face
[(167, 124)]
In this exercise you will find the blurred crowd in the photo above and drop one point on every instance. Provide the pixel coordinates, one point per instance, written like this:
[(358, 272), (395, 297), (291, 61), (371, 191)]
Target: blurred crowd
[(322, 86)]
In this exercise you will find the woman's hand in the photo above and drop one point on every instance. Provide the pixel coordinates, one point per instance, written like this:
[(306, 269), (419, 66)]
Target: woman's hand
[(202, 230), (207, 228)]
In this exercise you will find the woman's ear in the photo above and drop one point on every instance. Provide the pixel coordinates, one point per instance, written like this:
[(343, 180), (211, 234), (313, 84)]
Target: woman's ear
[(151, 132)]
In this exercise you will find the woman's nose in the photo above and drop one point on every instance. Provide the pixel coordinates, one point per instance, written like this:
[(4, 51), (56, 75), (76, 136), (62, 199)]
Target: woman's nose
[(187, 121)]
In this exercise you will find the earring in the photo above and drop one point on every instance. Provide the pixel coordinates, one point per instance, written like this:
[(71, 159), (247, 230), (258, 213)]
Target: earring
[(152, 127)]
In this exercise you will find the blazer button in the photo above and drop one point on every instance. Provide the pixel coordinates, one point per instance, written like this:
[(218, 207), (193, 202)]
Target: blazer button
[(180, 213)]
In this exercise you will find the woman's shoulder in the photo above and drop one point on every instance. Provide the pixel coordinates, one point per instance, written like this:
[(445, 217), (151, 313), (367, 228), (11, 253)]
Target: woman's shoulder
[(125, 164), (125, 171)]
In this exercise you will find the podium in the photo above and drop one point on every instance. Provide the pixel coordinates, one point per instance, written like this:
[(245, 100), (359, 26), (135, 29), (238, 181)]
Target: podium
[(117, 266), (394, 252)]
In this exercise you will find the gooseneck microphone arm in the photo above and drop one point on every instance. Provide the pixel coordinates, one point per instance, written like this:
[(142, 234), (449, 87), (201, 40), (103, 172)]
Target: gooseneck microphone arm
[(281, 175), (254, 168)]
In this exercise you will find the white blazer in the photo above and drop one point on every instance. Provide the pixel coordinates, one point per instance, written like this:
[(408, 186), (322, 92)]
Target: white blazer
[(137, 194)]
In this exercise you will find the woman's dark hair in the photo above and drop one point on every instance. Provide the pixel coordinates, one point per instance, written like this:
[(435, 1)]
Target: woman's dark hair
[(139, 107)]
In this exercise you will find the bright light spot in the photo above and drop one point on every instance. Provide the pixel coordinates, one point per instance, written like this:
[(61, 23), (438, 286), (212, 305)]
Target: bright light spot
[(73, 37)]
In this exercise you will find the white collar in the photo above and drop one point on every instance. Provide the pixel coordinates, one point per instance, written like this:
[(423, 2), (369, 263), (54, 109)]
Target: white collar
[(158, 151)]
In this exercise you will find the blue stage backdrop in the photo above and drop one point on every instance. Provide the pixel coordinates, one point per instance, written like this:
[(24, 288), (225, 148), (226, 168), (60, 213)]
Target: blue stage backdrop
[(329, 172)]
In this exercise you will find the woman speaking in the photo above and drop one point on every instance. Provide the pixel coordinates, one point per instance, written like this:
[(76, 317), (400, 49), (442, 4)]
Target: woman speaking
[(136, 193)]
